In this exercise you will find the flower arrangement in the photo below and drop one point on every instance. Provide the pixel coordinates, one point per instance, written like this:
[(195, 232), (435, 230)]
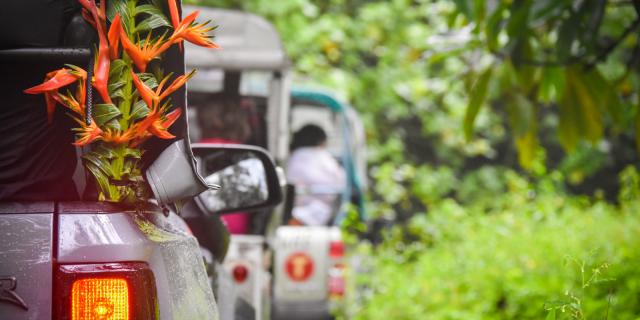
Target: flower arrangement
[(133, 103)]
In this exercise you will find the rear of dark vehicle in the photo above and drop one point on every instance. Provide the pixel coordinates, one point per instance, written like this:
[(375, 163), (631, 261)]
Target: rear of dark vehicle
[(64, 255)]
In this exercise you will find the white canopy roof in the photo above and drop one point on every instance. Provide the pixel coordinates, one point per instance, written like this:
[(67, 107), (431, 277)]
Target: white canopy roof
[(247, 41)]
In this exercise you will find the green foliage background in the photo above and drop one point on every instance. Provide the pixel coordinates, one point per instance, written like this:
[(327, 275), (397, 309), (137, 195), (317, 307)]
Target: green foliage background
[(497, 132)]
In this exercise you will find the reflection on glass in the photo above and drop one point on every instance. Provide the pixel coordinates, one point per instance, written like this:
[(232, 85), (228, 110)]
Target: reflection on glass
[(243, 179)]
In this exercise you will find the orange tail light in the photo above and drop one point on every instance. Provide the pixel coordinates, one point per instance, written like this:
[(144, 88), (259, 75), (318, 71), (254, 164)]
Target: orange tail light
[(100, 299), (109, 291)]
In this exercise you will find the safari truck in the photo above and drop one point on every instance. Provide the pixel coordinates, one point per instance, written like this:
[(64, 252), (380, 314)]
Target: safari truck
[(63, 253), (310, 263), (252, 69)]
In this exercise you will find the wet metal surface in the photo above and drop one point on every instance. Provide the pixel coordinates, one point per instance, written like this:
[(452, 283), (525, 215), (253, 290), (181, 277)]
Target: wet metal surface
[(162, 242), (25, 265)]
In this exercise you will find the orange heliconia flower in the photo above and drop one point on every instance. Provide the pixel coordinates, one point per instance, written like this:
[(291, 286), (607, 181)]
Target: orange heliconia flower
[(154, 115), (58, 79), (97, 18), (53, 82), (155, 125), (176, 84), (113, 36), (92, 14), (70, 102), (141, 128), (101, 68), (159, 127), (153, 98), (146, 94), (87, 133), (118, 136), (193, 32), (146, 51), (175, 17)]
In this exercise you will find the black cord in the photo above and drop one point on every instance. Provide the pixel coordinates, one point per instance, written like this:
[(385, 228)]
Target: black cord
[(89, 87)]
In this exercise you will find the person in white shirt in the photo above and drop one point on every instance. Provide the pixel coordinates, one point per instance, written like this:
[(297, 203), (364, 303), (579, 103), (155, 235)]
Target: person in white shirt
[(318, 177)]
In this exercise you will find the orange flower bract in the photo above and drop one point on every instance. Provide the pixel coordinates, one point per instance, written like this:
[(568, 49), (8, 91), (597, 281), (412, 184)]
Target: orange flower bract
[(153, 98), (118, 136), (87, 133), (194, 33), (53, 82), (114, 37), (146, 51)]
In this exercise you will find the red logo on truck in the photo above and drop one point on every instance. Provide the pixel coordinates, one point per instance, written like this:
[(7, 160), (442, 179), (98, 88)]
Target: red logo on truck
[(299, 267)]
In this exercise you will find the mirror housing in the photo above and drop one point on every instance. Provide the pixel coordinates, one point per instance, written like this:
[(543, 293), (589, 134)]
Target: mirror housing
[(246, 175), (172, 176)]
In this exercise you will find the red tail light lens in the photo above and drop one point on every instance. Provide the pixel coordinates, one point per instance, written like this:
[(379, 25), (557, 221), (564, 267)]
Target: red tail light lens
[(240, 273), (336, 249), (106, 292)]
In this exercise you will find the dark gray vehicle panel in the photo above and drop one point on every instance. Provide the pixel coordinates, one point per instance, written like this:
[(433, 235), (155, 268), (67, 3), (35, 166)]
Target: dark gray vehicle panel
[(26, 264)]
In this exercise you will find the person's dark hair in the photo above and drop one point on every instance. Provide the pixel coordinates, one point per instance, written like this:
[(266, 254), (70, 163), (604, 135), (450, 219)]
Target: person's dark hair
[(310, 135), (222, 116)]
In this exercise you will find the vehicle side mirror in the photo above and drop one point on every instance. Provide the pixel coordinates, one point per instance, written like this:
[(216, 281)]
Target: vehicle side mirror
[(246, 174), (172, 176)]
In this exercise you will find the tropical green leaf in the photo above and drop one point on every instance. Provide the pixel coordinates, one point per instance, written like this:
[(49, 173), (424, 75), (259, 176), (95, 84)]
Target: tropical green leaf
[(464, 7), (551, 315), (551, 84), (149, 9), (116, 68), (567, 33), (478, 95), (517, 26), (132, 153), (100, 163), (104, 152), (506, 76), (104, 112), (526, 73), (115, 7), (568, 128), (149, 79), (98, 175), (113, 124), (479, 11), (521, 114), (590, 114), (492, 27), (542, 10), (637, 124), (523, 121), (151, 23), (580, 116), (117, 94), (603, 95), (140, 110), (155, 19), (115, 86)]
